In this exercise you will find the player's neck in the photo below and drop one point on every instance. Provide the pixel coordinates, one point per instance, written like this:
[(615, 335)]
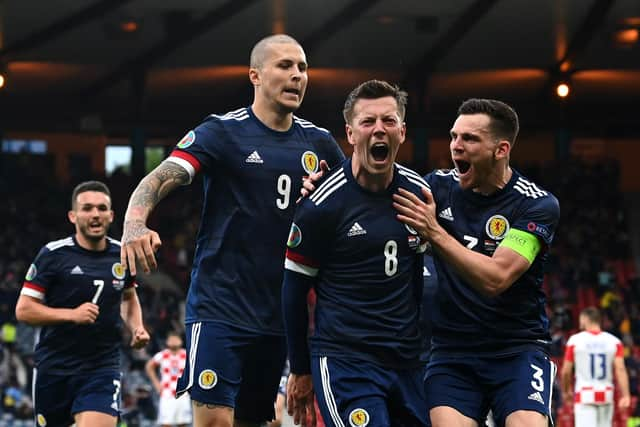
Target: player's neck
[(496, 181), (276, 120), (91, 245), (371, 182)]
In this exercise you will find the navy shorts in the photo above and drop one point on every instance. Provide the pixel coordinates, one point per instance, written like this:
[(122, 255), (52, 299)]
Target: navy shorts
[(358, 394), (57, 398), (232, 367), (505, 384)]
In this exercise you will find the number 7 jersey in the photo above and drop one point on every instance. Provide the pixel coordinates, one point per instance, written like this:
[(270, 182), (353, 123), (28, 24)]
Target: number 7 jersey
[(65, 275), (252, 179), (464, 320)]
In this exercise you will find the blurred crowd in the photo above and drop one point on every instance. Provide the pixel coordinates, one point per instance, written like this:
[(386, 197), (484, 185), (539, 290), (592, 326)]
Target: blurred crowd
[(590, 264)]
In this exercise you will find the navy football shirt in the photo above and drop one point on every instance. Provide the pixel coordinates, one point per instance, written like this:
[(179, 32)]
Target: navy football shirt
[(368, 268), (464, 320), (252, 178), (65, 275)]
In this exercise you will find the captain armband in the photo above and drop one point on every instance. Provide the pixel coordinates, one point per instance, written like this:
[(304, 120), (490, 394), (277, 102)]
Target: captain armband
[(526, 244)]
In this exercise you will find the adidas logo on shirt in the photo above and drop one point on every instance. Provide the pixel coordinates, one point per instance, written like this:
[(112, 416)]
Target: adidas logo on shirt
[(77, 270), (254, 158), (536, 396), (356, 230), (446, 214)]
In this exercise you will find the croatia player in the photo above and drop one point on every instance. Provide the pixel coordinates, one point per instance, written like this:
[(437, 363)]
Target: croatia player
[(490, 229), (76, 290), (597, 357), (171, 361), (367, 271), (253, 160)]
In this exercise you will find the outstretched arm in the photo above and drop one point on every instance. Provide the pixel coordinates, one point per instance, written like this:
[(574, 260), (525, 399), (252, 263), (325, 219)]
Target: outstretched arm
[(139, 243)]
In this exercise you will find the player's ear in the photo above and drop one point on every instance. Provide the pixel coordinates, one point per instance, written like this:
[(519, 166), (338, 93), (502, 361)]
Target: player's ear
[(349, 132), (503, 149), (254, 76), (72, 217)]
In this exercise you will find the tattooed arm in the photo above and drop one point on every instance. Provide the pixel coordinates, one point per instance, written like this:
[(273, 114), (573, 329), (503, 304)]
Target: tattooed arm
[(139, 243)]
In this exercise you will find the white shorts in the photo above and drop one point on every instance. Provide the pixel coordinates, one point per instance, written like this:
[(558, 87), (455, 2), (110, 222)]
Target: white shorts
[(588, 415), (172, 411)]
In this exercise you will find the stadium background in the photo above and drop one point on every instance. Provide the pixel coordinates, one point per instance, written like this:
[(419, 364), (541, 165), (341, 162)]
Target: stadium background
[(104, 88)]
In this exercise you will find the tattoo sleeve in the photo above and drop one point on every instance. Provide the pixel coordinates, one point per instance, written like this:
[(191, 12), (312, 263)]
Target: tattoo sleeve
[(154, 187)]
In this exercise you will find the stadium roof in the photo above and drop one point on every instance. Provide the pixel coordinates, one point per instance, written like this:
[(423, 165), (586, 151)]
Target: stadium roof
[(163, 64)]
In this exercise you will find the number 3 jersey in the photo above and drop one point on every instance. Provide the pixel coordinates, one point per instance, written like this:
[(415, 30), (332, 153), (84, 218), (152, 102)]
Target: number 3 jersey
[(367, 267), (592, 354), (65, 275), (464, 320), (252, 179)]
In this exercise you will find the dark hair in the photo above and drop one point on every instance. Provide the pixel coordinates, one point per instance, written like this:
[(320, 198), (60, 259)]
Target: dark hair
[(374, 89), (83, 187), (591, 313), (504, 120)]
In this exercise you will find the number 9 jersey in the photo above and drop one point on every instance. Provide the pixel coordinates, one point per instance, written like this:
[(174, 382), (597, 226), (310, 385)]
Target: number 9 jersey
[(252, 178)]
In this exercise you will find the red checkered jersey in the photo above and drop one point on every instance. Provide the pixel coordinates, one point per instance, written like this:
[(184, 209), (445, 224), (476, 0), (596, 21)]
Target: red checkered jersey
[(593, 354), (171, 366)]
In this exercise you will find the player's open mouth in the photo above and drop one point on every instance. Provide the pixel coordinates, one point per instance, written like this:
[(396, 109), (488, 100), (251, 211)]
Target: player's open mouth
[(379, 152), (462, 166), (293, 91)]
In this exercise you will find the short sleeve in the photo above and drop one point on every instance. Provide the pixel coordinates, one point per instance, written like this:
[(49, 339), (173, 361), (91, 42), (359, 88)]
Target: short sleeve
[(40, 275)]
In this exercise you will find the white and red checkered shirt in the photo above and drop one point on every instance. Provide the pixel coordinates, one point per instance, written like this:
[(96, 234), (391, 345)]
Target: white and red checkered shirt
[(171, 367), (593, 354)]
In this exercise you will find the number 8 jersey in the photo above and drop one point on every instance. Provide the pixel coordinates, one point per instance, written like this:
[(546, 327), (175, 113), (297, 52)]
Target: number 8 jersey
[(252, 178), (367, 267)]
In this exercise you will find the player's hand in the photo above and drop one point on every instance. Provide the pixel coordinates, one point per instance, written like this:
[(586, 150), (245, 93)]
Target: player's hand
[(85, 314), (308, 183), (418, 214), (567, 398), (624, 403), (300, 400), (139, 243), (139, 337)]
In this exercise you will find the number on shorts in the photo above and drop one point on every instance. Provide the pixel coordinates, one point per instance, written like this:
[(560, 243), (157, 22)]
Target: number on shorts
[(390, 258), (100, 285), (116, 394), (284, 189), (538, 381)]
